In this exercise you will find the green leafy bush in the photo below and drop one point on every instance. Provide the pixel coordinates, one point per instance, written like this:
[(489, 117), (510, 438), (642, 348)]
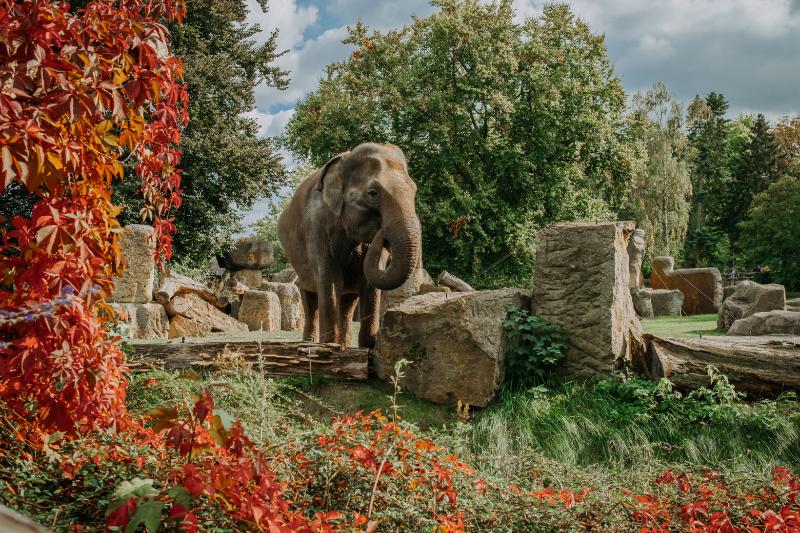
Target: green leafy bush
[(534, 347)]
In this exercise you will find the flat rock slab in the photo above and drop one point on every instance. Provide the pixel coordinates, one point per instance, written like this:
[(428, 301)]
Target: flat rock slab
[(760, 365), (275, 358), (768, 323)]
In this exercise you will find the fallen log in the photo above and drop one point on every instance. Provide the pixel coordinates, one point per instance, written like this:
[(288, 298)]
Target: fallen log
[(176, 283), (763, 365), (277, 359)]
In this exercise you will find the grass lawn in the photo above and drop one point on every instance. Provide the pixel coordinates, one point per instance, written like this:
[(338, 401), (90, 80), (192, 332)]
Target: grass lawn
[(682, 326)]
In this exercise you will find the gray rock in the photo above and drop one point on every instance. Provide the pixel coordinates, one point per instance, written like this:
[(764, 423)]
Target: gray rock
[(180, 326), (194, 307), (636, 248), (261, 310), (727, 291), (249, 253), (253, 279), (292, 317), (793, 304), (581, 283), (748, 299), (145, 321), (665, 302), (768, 323), (135, 285), (454, 341), (642, 303)]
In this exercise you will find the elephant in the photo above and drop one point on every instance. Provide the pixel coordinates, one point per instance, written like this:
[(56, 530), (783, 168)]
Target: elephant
[(338, 230)]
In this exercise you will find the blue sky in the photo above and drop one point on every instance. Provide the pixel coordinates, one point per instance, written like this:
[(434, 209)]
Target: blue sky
[(747, 49)]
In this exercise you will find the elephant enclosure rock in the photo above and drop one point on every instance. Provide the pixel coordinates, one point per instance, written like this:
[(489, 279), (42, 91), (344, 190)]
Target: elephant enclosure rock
[(250, 253), (701, 287), (135, 285), (581, 283), (261, 310), (454, 341), (750, 298), (768, 323), (145, 321), (292, 317)]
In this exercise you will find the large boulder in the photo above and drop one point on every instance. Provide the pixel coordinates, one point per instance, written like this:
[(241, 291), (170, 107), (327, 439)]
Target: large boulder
[(249, 253), (768, 323), (664, 302), (748, 299), (144, 321), (193, 307), (180, 326), (454, 341), (261, 310), (793, 304), (701, 287), (252, 278), (636, 249), (410, 288), (292, 317), (135, 285), (581, 283), (173, 283)]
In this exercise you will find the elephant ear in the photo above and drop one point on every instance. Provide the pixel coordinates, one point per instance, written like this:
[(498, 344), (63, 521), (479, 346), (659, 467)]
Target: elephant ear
[(331, 183)]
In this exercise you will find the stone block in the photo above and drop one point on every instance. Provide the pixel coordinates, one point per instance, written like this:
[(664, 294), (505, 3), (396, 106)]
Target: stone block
[(145, 321), (748, 299), (292, 317), (701, 287), (135, 285), (261, 310)]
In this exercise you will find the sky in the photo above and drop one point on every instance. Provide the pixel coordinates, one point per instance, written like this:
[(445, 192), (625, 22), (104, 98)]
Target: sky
[(747, 49)]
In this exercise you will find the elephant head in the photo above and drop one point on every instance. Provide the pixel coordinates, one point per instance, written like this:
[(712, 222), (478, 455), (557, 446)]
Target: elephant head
[(369, 189)]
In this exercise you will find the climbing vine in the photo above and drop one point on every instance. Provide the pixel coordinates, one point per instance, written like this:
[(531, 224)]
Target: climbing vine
[(81, 91)]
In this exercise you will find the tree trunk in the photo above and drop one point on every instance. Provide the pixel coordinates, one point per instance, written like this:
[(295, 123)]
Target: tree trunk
[(758, 365), (278, 359)]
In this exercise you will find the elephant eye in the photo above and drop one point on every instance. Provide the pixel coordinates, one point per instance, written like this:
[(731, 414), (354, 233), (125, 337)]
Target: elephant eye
[(372, 193)]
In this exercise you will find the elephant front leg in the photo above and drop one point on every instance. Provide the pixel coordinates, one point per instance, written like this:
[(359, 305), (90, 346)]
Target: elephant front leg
[(330, 290), (370, 302), (310, 332)]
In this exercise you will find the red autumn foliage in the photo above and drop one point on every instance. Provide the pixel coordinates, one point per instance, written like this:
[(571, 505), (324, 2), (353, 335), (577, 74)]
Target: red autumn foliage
[(80, 90)]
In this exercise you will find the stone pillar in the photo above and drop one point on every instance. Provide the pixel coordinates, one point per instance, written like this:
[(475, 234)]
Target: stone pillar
[(581, 283), (636, 247), (135, 285)]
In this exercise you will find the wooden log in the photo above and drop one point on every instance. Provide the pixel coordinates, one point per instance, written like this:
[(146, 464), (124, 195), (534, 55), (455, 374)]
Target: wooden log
[(176, 283), (278, 359), (455, 283), (763, 365)]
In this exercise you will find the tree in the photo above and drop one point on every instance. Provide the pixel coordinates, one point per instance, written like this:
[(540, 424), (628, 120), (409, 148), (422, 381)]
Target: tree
[(81, 89), (754, 168), (787, 131), (769, 234), (226, 166), (708, 143), (661, 195), (507, 127)]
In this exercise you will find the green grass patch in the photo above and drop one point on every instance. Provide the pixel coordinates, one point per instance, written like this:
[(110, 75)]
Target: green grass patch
[(682, 326)]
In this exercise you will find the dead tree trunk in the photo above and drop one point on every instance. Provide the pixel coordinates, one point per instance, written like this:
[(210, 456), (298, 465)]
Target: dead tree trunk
[(277, 359), (759, 365)]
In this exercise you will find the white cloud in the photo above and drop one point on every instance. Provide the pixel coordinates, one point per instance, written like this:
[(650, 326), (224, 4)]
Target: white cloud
[(290, 19), (306, 65), (270, 124), (378, 14)]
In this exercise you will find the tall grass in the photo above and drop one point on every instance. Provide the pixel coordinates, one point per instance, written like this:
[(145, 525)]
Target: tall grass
[(628, 424)]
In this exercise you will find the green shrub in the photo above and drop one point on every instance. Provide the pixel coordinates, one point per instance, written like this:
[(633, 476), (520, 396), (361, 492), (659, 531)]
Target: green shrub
[(534, 347)]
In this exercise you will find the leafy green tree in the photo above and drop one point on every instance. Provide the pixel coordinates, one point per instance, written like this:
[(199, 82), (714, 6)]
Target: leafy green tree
[(507, 126), (787, 131), (661, 195), (754, 168), (770, 235), (709, 159), (226, 166)]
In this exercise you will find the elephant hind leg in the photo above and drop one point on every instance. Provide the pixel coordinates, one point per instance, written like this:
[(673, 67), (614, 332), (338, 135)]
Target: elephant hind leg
[(346, 309), (370, 311), (310, 308)]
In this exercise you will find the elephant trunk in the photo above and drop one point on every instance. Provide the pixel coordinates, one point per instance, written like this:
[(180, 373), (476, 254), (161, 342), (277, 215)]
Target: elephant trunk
[(400, 234)]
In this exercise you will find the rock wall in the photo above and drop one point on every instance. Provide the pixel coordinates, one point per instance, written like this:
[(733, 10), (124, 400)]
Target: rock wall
[(581, 283), (701, 287)]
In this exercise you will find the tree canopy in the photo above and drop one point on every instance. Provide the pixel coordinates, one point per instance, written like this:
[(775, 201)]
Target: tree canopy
[(507, 127), (226, 165)]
